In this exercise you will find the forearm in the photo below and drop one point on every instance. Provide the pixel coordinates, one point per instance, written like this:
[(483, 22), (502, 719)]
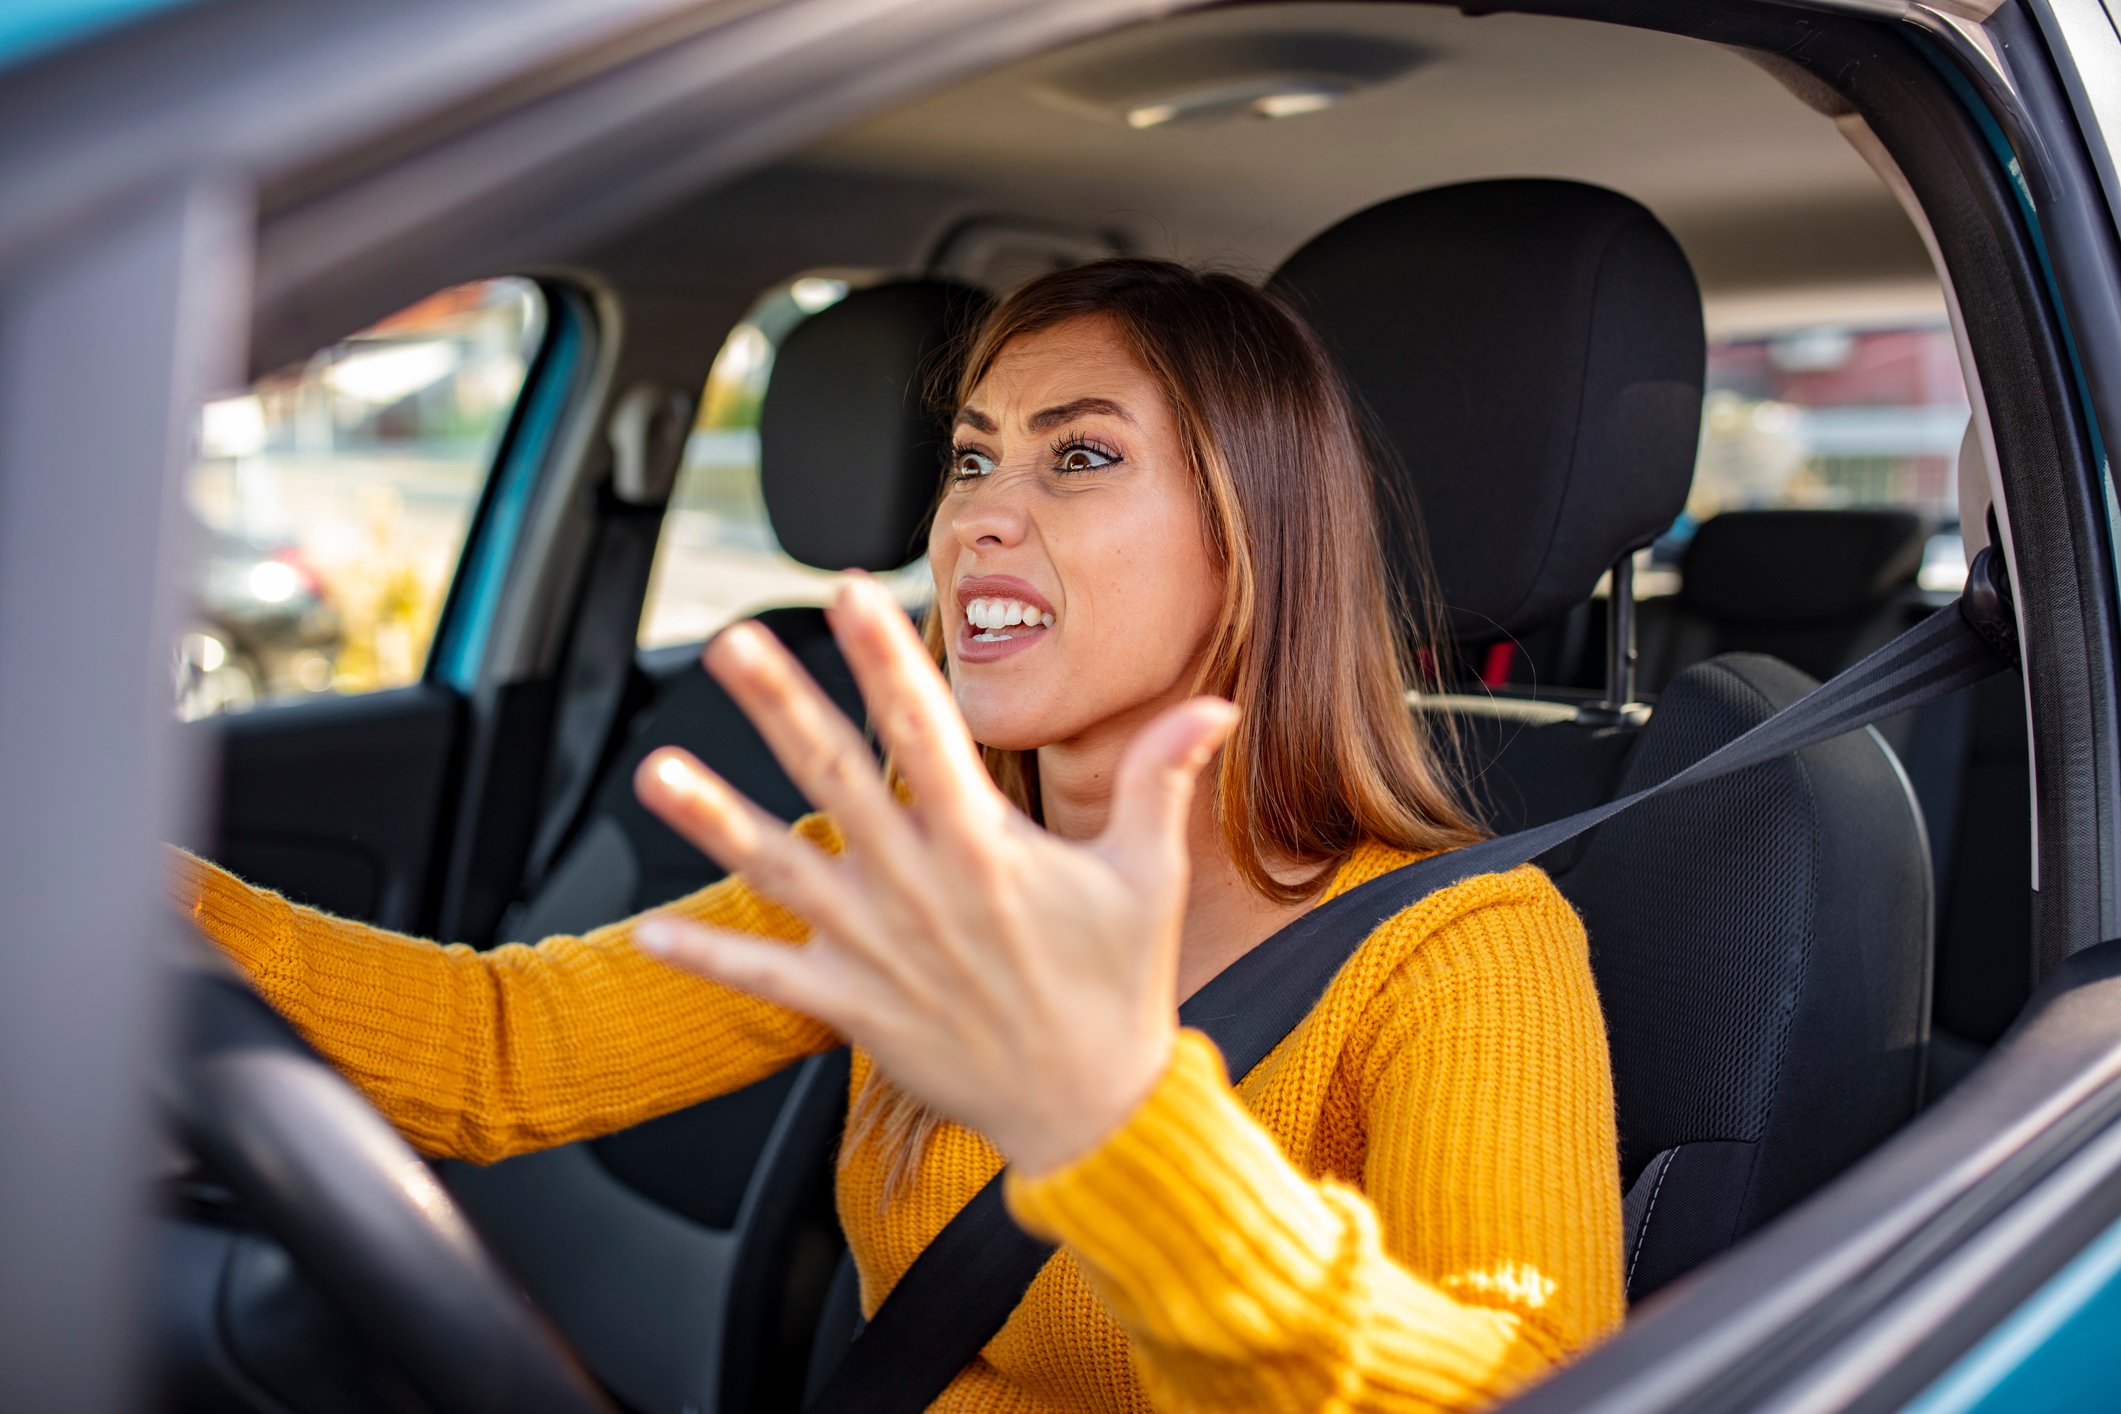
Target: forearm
[(480, 1055), (1247, 1286)]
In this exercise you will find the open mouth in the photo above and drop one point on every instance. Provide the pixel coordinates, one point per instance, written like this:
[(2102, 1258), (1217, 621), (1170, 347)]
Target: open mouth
[(1002, 620), (1000, 616)]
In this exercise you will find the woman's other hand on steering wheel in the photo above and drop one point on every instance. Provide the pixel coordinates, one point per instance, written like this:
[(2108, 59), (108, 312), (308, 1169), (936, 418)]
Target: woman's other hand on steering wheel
[(1019, 984)]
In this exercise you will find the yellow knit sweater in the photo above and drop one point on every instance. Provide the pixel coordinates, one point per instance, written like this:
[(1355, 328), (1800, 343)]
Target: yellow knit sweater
[(1413, 1203)]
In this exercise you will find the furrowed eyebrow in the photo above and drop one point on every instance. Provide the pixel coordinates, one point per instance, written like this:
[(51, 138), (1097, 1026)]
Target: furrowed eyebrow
[(1046, 419), (1055, 416)]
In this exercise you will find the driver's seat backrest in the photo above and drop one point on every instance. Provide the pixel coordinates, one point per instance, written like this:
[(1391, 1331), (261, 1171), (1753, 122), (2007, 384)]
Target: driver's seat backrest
[(679, 1256), (849, 455), (1532, 355)]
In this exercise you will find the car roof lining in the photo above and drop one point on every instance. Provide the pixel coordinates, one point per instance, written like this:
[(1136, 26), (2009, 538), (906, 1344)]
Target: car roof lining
[(1783, 223)]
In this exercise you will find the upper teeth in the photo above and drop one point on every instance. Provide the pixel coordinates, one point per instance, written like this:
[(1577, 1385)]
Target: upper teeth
[(1002, 613)]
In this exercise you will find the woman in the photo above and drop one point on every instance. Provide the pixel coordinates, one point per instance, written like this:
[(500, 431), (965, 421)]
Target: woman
[(1157, 491)]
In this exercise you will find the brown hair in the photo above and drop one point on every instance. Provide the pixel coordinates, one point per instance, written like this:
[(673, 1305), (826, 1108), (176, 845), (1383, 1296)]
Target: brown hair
[(1312, 644)]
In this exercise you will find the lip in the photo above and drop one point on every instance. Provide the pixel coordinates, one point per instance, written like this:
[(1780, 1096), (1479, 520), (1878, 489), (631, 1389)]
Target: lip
[(999, 586), (996, 586)]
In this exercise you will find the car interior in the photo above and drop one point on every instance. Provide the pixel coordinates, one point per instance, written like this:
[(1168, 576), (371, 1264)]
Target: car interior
[(1519, 234)]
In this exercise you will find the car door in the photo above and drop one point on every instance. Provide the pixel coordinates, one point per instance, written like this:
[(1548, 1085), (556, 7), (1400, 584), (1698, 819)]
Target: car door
[(355, 514)]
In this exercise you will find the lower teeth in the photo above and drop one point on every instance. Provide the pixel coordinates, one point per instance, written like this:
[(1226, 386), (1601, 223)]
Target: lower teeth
[(990, 638)]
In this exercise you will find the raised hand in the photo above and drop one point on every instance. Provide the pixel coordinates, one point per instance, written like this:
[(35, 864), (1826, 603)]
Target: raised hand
[(1018, 983)]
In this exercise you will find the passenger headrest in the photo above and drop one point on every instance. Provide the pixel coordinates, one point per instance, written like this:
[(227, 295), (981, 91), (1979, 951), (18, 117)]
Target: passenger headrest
[(850, 449), (1800, 566), (1531, 354)]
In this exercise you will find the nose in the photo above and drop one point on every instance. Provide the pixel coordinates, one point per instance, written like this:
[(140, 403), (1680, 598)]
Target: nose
[(994, 516)]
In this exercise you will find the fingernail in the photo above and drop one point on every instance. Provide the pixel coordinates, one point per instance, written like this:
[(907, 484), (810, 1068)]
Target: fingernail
[(657, 937)]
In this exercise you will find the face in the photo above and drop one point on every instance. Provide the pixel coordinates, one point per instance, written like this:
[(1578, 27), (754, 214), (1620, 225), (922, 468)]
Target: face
[(1071, 555)]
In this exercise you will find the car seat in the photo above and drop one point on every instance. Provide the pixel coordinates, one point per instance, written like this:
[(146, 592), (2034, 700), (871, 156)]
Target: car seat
[(684, 1257), (1530, 355), (1817, 589)]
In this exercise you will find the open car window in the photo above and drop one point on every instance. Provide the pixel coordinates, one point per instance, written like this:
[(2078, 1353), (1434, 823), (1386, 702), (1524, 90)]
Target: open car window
[(718, 559), (331, 501), (1829, 417)]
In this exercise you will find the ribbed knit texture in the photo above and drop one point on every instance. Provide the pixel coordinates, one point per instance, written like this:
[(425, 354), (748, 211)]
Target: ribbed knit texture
[(1413, 1203)]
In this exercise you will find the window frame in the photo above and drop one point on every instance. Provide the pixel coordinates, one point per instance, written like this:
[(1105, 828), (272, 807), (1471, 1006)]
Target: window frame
[(522, 460)]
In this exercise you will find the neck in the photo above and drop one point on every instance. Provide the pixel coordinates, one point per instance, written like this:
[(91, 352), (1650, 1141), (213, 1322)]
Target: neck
[(1225, 917)]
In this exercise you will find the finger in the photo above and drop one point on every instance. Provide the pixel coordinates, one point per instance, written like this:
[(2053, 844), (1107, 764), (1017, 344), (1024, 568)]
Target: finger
[(910, 706), (717, 819), (1152, 801), (788, 976), (820, 749)]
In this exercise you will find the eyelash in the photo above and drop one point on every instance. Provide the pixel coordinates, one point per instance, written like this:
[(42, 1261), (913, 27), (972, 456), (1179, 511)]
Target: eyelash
[(1066, 443), (1075, 442), (957, 456)]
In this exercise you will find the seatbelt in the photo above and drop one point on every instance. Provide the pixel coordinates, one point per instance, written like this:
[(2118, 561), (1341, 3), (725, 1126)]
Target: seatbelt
[(963, 1286), (647, 433), (594, 679)]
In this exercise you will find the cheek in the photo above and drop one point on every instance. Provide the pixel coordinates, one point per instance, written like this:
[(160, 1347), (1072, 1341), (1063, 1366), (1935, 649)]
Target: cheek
[(1146, 591), (1198, 590), (942, 547)]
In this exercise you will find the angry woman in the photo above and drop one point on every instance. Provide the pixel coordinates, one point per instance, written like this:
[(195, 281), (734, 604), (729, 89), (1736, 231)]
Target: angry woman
[(1156, 713)]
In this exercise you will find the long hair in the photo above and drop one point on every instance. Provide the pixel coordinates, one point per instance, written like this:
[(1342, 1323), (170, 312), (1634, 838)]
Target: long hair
[(1315, 640)]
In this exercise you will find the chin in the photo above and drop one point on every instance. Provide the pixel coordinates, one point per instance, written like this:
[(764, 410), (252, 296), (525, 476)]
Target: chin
[(1011, 734), (1006, 721)]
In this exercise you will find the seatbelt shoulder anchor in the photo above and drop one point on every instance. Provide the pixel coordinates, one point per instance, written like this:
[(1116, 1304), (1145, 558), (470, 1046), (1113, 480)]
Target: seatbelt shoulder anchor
[(1986, 604)]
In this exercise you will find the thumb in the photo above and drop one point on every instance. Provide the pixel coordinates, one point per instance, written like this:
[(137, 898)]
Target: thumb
[(1154, 793)]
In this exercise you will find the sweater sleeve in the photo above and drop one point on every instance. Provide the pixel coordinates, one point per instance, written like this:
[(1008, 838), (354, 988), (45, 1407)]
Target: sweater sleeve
[(1483, 1248), (482, 1055)]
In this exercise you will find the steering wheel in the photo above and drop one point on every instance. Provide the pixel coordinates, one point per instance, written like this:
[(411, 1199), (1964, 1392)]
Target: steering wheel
[(362, 1216)]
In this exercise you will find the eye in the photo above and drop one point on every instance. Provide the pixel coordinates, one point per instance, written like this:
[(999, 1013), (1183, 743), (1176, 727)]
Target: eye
[(1079, 454), (966, 463)]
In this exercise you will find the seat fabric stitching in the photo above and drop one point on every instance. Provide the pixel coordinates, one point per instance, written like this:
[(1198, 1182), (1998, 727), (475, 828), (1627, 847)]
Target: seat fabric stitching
[(1642, 1234)]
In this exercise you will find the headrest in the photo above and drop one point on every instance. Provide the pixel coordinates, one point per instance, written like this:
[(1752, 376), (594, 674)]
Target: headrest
[(850, 449), (1530, 353), (1800, 566)]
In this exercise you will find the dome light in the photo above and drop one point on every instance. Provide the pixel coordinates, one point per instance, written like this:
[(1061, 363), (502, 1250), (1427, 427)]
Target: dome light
[(1223, 77), (1290, 102)]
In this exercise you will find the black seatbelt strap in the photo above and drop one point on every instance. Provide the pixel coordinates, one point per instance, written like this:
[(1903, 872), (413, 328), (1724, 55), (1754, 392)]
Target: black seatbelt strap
[(647, 431), (594, 679), (962, 1287)]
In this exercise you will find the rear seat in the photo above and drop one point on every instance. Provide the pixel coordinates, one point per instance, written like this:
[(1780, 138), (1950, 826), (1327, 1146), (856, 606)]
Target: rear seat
[(1817, 589)]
